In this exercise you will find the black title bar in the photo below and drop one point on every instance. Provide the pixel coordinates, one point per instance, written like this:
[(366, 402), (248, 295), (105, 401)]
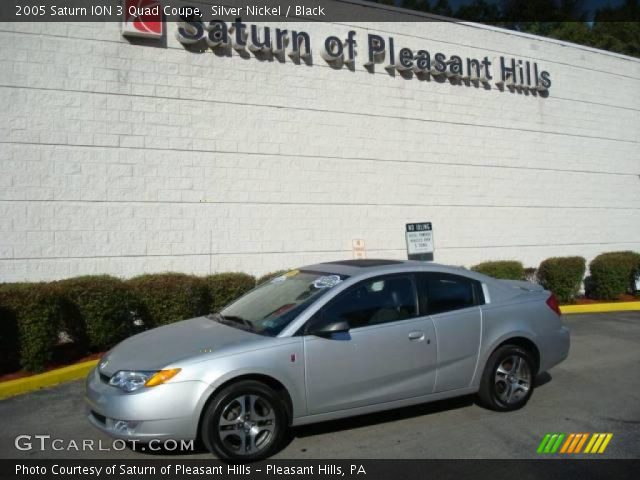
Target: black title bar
[(177, 469), (278, 10)]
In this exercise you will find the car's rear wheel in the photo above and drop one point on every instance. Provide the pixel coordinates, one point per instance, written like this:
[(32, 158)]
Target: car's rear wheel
[(244, 421), (507, 381)]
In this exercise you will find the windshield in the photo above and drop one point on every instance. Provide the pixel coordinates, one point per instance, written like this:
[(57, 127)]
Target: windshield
[(273, 305)]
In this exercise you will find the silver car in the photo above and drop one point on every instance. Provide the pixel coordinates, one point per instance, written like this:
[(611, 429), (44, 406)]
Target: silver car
[(323, 342)]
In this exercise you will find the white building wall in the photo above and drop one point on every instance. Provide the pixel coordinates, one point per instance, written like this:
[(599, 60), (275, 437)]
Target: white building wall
[(120, 158)]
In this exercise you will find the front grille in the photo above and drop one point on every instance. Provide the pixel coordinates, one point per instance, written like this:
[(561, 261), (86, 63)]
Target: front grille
[(104, 378), (99, 418)]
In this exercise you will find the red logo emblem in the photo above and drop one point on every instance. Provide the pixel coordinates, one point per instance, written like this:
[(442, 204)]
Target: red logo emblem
[(142, 18)]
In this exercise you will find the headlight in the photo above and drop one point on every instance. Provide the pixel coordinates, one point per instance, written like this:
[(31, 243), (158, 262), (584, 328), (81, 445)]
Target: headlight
[(130, 381)]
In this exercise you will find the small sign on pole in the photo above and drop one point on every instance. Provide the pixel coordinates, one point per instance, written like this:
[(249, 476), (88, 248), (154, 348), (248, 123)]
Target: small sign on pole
[(419, 238), (359, 250)]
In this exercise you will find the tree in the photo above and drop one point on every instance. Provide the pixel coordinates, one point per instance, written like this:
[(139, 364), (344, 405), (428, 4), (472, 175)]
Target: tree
[(418, 5), (616, 29), (443, 8), (478, 11)]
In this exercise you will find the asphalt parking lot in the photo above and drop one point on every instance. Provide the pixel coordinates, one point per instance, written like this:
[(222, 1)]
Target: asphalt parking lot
[(596, 390)]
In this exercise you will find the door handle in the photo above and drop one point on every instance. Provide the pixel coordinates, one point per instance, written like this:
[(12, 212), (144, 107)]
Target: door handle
[(416, 336)]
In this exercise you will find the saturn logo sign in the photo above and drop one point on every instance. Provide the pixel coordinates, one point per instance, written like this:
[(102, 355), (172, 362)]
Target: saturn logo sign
[(143, 18)]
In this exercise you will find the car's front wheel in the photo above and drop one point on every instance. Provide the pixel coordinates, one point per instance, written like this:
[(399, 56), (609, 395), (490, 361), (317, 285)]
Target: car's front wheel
[(244, 421), (507, 381)]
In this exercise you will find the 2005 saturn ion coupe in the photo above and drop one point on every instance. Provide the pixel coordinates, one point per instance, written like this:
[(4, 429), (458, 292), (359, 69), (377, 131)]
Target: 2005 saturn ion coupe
[(323, 342)]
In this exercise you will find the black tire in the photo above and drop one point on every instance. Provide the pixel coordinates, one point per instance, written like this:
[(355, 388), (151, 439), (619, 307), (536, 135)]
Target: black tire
[(508, 379), (227, 431)]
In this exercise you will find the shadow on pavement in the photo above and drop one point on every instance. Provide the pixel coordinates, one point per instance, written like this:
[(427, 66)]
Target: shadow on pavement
[(396, 414), (350, 423)]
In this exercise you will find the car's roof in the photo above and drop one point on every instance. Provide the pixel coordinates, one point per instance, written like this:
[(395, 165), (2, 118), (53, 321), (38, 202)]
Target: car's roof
[(355, 268), (500, 289)]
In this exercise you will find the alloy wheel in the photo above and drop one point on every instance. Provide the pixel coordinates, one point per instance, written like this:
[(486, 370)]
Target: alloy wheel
[(512, 379), (247, 424)]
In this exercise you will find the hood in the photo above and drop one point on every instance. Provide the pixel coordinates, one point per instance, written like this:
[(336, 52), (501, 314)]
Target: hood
[(159, 347)]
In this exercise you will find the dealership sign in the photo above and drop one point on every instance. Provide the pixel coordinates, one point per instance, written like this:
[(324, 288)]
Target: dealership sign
[(142, 18), (145, 18)]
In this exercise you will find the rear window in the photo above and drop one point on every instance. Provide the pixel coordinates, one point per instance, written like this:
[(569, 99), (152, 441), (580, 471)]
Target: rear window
[(444, 292)]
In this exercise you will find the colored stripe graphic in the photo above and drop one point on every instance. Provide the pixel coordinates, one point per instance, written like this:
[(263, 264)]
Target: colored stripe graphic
[(598, 443), (594, 437), (551, 442), (605, 443), (581, 443), (567, 443), (573, 443), (557, 444), (543, 443)]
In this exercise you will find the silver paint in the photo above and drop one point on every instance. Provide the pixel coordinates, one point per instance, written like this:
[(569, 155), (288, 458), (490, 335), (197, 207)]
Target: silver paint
[(367, 369)]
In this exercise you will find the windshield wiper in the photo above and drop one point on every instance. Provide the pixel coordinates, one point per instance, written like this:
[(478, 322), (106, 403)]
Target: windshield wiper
[(234, 320), (240, 321)]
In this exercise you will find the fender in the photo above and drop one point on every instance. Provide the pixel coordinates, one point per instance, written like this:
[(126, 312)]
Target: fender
[(298, 402), (487, 350)]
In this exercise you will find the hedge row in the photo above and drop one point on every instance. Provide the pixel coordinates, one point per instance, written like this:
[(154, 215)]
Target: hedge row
[(32, 316), (268, 276), (93, 313), (612, 274), (506, 269)]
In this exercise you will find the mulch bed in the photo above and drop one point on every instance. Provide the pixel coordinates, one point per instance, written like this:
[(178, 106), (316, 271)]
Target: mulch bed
[(621, 299), (61, 356)]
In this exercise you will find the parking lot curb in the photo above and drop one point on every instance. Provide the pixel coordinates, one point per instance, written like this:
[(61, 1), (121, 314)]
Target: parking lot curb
[(601, 307), (47, 379)]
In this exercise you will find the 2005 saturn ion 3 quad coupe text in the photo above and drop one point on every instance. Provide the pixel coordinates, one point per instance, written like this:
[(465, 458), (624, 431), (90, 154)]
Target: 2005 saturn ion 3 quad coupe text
[(324, 342)]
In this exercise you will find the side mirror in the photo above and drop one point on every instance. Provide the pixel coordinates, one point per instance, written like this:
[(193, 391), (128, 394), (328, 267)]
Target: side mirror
[(329, 329)]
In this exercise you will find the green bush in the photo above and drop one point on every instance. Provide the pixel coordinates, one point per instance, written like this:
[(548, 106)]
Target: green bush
[(37, 310), (562, 276), (505, 269), (612, 274), (169, 297), (226, 287), (105, 308), (268, 276), (9, 340)]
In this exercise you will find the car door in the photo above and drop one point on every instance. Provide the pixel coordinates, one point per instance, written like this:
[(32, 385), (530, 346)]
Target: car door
[(388, 354), (453, 304)]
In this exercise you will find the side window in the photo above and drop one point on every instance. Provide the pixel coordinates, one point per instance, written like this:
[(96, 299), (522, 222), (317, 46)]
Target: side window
[(374, 301), (444, 292)]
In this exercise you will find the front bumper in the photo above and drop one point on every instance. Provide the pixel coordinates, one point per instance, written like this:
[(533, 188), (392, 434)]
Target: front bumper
[(168, 411)]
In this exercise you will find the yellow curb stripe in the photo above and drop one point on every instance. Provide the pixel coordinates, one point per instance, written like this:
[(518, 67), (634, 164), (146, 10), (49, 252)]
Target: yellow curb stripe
[(47, 379), (605, 443), (600, 307)]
